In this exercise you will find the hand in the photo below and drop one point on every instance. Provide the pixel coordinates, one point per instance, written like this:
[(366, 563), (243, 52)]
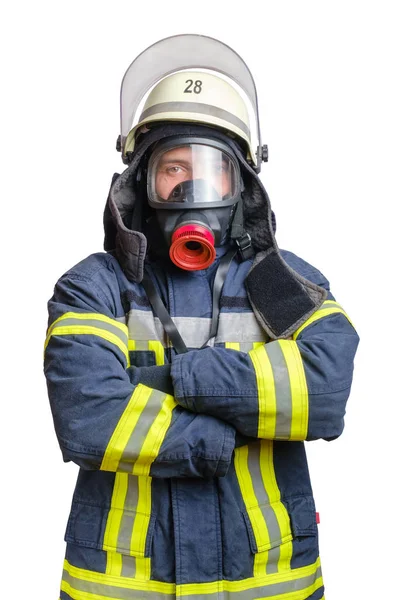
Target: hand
[(156, 377)]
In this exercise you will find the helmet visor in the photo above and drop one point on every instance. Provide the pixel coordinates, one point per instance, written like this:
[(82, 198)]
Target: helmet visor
[(193, 173)]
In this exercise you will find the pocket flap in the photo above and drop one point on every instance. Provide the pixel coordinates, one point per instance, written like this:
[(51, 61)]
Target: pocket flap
[(87, 525), (268, 526), (302, 515)]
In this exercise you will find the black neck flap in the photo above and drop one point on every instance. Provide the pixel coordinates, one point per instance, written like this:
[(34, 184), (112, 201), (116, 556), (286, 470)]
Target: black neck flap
[(282, 300)]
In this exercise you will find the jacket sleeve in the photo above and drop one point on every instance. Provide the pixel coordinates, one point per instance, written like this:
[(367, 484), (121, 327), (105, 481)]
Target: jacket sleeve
[(105, 418), (294, 389)]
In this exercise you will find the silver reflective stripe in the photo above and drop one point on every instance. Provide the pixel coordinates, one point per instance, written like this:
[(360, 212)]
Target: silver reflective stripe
[(125, 467), (94, 323), (128, 566), (143, 326), (273, 558), (128, 517), (141, 345), (260, 491), (195, 331), (282, 391), (246, 346), (265, 591), (198, 108), (239, 327), (232, 327)]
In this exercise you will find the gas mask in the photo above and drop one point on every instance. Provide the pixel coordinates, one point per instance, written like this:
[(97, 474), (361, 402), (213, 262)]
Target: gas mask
[(194, 185)]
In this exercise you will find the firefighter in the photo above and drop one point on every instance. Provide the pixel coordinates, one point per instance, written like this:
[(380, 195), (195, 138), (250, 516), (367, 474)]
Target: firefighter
[(189, 362)]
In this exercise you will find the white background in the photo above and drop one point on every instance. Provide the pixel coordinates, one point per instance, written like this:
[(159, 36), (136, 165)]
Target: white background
[(328, 83)]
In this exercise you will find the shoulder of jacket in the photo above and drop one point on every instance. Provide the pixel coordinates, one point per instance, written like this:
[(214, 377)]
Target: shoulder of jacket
[(90, 267), (303, 268), (96, 282)]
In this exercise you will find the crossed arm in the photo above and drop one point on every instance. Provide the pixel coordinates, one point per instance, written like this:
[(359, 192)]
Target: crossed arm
[(181, 420)]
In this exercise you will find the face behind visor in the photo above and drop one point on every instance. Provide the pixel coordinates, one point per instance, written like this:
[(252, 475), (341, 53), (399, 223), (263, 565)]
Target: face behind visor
[(194, 185)]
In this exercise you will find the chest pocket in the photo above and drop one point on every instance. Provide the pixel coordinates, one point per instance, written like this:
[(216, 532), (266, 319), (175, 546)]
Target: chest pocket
[(145, 345), (266, 517), (146, 353)]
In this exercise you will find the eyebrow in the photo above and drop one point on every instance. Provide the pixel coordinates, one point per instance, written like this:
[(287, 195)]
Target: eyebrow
[(171, 161)]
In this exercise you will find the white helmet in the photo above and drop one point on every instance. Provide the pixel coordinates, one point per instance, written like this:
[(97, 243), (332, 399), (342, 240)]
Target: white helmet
[(179, 92), (199, 97)]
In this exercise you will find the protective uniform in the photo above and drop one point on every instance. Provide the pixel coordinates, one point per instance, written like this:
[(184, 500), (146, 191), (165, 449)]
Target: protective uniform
[(193, 476)]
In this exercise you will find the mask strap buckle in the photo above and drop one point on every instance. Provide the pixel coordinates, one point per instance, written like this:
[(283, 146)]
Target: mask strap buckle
[(239, 235), (246, 250)]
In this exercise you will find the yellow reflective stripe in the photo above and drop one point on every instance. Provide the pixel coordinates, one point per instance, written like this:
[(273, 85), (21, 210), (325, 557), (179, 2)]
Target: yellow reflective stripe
[(142, 517), (293, 409), (235, 586), (223, 587), (88, 330), (286, 552), (125, 427), (143, 568), (257, 481), (329, 307), (135, 518), (251, 583), (147, 417), (131, 345), (114, 563), (298, 387), (258, 344), (266, 393), (91, 317), (274, 495), (249, 497), (110, 542), (155, 437), (123, 582), (232, 345), (158, 350), (260, 563)]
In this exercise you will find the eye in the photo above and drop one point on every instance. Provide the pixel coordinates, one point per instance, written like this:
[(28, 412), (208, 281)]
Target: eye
[(174, 170)]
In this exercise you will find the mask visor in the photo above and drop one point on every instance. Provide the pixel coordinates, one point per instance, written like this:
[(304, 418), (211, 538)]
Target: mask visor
[(192, 175)]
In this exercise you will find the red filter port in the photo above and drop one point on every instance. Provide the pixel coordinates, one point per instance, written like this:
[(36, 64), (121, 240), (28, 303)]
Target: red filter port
[(192, 247)]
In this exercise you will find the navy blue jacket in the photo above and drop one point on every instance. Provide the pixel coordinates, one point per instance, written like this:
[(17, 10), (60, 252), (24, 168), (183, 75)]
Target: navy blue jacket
[(203, 492)]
